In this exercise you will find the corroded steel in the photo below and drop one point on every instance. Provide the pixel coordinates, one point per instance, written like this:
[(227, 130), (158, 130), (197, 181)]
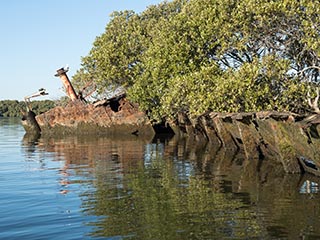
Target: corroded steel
[(41, 92), (62, 73)]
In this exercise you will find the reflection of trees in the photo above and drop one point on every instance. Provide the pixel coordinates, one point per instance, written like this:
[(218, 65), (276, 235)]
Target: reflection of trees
[(161, 201), (274, 196), (289, 213)]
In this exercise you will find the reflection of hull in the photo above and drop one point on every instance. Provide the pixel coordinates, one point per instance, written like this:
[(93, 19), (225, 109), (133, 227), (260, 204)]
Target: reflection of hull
[(309, 166), (91, 151)]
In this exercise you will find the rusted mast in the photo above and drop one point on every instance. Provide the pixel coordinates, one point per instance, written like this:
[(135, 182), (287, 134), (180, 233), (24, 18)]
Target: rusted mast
[(62, 73)]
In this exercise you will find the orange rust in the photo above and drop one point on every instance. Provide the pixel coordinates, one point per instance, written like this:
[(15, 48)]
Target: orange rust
[(67, 84)]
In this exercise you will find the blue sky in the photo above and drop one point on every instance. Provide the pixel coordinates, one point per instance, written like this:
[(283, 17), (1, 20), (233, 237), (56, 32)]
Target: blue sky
[(40, 36)]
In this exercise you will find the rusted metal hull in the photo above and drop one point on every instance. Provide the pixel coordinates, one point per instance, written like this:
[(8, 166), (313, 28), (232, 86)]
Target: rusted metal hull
[(111, 117), (30, 123)]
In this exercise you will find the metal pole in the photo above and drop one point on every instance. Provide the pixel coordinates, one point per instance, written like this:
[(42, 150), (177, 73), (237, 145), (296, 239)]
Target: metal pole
[(66, 83)]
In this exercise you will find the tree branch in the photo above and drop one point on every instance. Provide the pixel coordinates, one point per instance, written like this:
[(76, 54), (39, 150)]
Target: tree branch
[(314, 104), (307, 68)]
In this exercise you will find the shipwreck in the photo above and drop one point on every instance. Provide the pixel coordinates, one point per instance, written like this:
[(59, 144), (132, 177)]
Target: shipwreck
[(114, 115), (267, 141)]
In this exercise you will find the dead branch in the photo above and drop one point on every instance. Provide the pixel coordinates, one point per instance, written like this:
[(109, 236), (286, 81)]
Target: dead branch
[(314, 104), (308, 68)]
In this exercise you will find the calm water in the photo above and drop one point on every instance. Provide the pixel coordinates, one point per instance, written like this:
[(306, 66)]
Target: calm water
[(100, 188)]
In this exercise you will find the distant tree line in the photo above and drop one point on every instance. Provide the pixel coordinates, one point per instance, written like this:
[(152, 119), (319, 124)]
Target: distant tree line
[(195, 56), (14, 108)]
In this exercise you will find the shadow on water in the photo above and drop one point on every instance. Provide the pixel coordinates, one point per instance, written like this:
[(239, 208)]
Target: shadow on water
[(171, 188)]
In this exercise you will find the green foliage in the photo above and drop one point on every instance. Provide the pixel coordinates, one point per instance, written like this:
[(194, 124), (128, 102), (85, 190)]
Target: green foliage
[(14, 108), (210, 55), (42, 106)]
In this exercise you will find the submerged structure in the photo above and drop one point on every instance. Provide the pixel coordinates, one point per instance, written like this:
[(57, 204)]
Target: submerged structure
[(264, 141)]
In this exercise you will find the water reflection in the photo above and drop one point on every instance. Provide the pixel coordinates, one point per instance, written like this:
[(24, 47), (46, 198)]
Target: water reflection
[(30, 142), (168, 198), (178, 189), (309, 184)]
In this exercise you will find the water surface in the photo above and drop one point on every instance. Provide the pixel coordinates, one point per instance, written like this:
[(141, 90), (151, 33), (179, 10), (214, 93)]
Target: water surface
[(132, 188)]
